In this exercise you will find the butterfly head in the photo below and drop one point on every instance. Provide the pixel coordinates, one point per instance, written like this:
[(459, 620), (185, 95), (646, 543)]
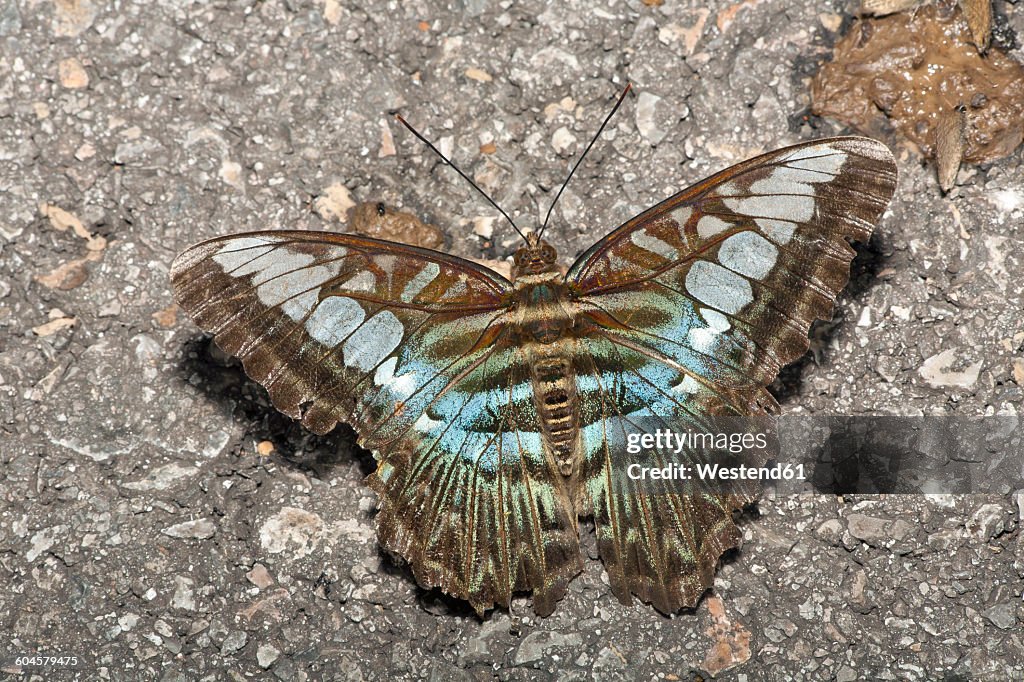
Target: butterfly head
[(536, 258)]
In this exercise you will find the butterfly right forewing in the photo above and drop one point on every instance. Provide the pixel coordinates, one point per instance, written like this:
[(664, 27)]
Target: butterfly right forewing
[(688, 311)]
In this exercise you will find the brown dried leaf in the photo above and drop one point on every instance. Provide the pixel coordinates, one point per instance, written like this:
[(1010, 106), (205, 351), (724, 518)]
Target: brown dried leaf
[(479, 75), (72, 74), (332, 12), (949, 145), (69, 275), (387, 142), (62, 220), (1018, 371), (378, 221), (54, 326), (334, 203), (730, 646), (65, 277), (880, 8), (166, 317), (978, 14)]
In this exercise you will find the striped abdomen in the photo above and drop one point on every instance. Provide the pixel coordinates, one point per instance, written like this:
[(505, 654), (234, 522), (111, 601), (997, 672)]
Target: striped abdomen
[(554, 390)]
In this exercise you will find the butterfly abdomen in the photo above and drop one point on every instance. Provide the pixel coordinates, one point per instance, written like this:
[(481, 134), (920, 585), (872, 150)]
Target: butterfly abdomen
[(554, 390)]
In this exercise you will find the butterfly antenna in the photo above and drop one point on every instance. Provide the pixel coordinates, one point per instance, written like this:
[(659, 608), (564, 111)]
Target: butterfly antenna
[(464, 176), (583, 156)]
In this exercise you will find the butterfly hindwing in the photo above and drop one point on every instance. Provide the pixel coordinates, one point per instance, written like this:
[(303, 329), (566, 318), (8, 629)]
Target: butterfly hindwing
[(476, 505), (406, 345), (659, 539), (691, 309)]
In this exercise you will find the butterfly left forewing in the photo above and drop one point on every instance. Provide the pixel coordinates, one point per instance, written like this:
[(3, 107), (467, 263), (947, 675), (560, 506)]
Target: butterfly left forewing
[(690, 310)]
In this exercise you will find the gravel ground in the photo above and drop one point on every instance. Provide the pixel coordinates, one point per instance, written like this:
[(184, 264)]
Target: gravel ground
[(140, 530)]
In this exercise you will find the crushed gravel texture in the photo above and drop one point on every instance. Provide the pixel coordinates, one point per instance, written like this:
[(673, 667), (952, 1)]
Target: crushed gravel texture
[(160, 520)]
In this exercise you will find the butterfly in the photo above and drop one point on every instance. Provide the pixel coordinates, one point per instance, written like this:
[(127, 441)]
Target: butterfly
[(492, 405)]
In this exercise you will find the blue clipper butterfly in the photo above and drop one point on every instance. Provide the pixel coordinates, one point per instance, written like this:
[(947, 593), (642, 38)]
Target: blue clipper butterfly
[(490, 403)]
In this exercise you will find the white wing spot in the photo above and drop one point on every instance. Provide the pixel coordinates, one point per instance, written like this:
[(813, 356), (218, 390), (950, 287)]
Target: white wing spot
[(687, 385), (425, 424), (402, 386), (364, 281), (651, 243), (715, 319), (773, 185), (799, 208), (238, 252), (420, 281), (703, 339), (817, 158), (373, 341), (299, 306), (296, 289), (271, 264), (334, 319), (718, 287), (681, 215), (710, 225), (748, 253), (781, 231)]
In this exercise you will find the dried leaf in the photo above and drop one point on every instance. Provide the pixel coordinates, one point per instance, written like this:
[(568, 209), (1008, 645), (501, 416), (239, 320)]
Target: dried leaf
[(334, 203), (387, 142), (62, 220), (978, 14), (54, 326), (332, 12), (478, 75), (378, 221), (167, 317), (1018, 371), (65, 277), (949, 145), (880, 8)]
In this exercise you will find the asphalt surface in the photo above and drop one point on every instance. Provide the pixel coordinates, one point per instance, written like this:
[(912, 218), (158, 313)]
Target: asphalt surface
[(141, 531)]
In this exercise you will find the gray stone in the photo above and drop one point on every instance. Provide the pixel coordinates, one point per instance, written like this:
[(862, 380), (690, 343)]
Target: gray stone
[(266, 654), (233, 643), (869, 529), (199, 529), (1002, 615), (10, 19), (539, 643)]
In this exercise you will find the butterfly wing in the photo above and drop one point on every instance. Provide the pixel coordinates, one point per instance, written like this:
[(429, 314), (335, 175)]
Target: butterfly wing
[(660, 539), (410, 347), (702, 299)]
